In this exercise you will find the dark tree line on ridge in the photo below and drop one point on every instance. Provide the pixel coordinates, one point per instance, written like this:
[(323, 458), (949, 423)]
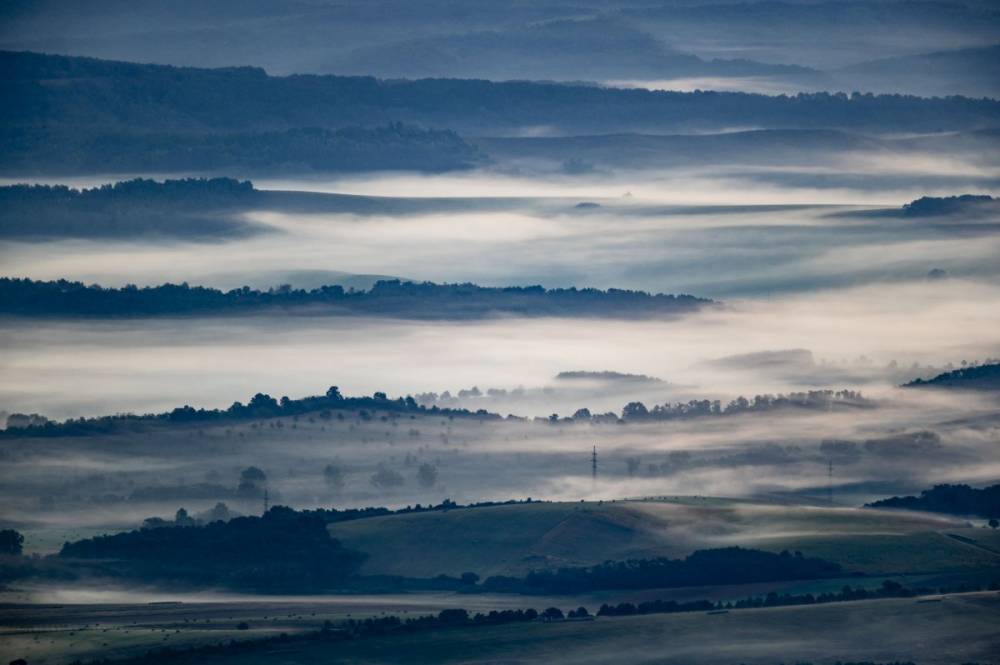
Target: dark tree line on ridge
[(974, 377), (263, 406), (426, 300), (260, 406), (284, 550), (933, 206), (951, 499), (729, 565), (813, 399), (193, 207)]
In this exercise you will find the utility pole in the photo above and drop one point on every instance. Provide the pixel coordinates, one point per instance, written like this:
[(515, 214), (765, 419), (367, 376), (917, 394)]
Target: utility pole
[(829, 482), (593, 465)]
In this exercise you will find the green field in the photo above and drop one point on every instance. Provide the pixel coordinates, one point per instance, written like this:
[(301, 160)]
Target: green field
[(516, 538)]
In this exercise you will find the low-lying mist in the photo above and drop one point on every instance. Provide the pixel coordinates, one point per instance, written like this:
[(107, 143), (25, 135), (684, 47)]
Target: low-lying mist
[(64, 488), (820, 290), (741, 232), (86, 367)]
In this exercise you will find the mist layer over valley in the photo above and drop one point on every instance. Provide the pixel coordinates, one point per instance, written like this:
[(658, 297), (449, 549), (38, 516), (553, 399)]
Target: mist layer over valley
[(384, 332)]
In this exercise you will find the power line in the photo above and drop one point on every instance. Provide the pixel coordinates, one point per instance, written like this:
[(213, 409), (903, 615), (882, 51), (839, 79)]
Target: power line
[(829, 482)]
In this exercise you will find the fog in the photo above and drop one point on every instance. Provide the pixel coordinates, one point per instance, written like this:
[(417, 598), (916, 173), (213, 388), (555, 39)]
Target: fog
[(73, 368), (763, 85), (54, 489), (819, 288), (746, 232)]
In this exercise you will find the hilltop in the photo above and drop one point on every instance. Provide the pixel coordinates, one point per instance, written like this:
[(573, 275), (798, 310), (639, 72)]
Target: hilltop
[(515, 539)]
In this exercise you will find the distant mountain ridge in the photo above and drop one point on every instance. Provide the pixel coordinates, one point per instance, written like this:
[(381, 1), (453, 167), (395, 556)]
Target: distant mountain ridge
[(51, 91), (974, 72)]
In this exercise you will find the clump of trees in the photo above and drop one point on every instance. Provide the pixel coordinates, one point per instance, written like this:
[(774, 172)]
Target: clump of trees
[(951, 499), (971, 377), (933, 206), (812, 399), (11, 542), (284, 550), (186, 207)]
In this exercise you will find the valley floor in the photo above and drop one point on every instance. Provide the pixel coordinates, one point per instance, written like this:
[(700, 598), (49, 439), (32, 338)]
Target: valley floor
[(955, 628)]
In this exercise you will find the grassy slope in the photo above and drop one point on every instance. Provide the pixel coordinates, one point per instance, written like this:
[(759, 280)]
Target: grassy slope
[(513, 539)]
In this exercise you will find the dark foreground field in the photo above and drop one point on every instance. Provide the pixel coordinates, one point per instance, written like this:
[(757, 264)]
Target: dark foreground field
[(955, 628)]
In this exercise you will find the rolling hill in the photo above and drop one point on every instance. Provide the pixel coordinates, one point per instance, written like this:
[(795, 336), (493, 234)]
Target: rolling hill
[(514, 539)]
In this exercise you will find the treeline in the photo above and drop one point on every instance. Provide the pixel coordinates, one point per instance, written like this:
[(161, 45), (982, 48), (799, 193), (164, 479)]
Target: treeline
[(729, 565), (284, 550), (187, 207), (452, 619), (974, 377), (259, 406), (950, 499), (888, 589), (426, 300), (188, 192), (393, 146), (812, 400), (933, 206)]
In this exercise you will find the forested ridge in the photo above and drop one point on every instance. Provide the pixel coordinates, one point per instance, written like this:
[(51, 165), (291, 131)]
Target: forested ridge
[(424, 300), (52, 91)]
